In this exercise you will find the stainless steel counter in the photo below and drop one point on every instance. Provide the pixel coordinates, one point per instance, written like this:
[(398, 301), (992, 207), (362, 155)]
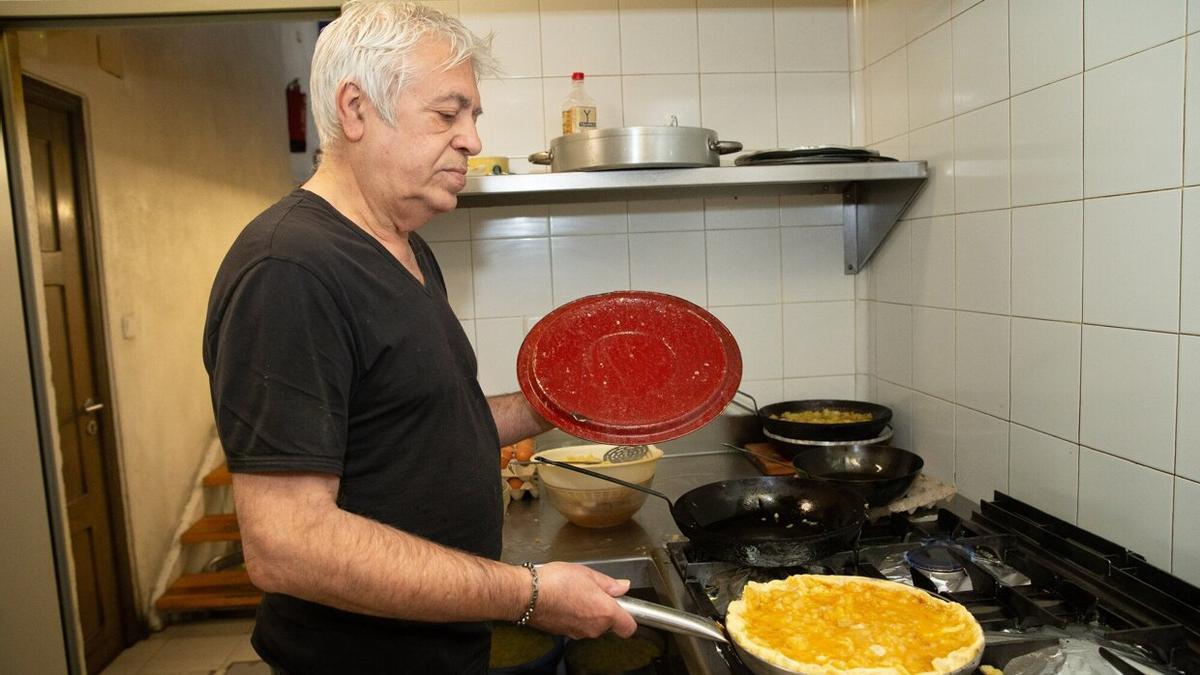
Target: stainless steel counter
[(535, 531)]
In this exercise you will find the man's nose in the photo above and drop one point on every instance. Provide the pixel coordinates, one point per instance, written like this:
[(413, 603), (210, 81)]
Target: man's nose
[(467, 140)]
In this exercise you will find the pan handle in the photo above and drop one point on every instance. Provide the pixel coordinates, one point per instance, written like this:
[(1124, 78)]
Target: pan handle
[(541, 157), (758, 456), (610, 479), (672, 620), (743, 406)]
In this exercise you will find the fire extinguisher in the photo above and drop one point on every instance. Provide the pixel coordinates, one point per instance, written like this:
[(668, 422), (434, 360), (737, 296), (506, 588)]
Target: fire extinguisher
[(295, 116)]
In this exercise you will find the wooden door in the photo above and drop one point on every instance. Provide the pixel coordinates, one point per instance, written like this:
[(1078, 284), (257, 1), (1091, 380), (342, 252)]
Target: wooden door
[(56, 147)]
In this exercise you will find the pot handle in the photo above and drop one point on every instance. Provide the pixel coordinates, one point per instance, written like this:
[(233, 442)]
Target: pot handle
[(543, 157), (723, 147), (743, 406)]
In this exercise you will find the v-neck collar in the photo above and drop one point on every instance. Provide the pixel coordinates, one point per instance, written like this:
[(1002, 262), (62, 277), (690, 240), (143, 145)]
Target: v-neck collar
[(418, 253)]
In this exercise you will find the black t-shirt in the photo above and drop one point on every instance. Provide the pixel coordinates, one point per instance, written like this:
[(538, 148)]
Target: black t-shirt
[(325, 354)]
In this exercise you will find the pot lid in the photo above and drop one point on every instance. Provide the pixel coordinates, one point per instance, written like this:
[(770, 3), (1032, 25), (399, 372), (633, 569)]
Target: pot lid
[(629, 367)]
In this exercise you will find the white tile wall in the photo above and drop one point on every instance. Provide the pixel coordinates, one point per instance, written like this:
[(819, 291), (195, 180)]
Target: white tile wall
[(933, 435), (1078, 341), (1046, 41), (924, 15), (933, 351), (1189, 311), (740, 108), (1045, 376), (893, 338), (981, 159), (1128, 394), (659, 36), (724, 25), (811, 35), (1047, 143), (588, 265), (933, 261), (982, 277), (1128, 148), (1044, 472), (1185, 553), (981, 362), (707, 63), (1187, 458), (813, 108), (892, 273), (743, 267), (818, 339), (1047, 261), (899, 399), (1141, 518), (1131, 251), (812, 265), (669, 262), (651, 100), (935, 145), (1116, 28), (888, 83), (930, 78), (758, 331), (980, 55), (980, 454), (580, 35)]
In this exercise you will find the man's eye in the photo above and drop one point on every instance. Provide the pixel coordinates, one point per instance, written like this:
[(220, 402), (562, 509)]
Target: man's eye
[(448, 116)]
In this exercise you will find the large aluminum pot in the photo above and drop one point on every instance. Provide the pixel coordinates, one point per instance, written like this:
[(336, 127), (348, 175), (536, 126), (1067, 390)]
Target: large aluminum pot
[(635, 148)]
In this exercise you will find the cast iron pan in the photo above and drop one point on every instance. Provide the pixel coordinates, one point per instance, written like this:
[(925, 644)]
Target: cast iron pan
[(807, 431), (772, 521), (877, 473)]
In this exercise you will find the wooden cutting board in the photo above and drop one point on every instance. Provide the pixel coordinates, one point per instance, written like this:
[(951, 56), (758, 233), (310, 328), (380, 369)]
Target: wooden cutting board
[(764, 452)]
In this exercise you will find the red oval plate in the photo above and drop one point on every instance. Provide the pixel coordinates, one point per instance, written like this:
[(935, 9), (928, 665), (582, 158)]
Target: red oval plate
[(629, 367)]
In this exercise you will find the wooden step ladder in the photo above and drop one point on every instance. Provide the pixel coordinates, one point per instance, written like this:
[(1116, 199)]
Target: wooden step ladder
[(220, 590)]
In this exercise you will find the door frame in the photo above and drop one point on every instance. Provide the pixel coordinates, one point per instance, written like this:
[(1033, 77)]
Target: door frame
[(51, 96), (17, 172)]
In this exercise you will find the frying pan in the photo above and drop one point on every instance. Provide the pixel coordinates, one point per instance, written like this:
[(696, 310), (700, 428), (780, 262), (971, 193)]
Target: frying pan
[(877, 473), (686, 623), (772, 521), (809, 431)]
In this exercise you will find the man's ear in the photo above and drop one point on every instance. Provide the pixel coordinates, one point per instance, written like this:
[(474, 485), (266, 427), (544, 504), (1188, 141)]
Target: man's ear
[(351, 110)]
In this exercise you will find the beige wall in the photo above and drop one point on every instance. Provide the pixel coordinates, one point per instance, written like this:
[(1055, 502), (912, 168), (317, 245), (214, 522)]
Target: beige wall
[(188, 141)]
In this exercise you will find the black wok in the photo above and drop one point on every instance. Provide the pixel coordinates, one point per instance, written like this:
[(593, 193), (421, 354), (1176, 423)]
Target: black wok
[(877, 473), (773, 521), (807, 431)]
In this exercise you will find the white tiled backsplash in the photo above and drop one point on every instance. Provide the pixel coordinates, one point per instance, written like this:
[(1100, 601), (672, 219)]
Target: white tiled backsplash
[(1034, 321), (1051, 267), (758, 72)]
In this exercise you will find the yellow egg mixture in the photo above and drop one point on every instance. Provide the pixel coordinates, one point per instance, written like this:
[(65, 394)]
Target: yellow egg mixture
[(831, 624)]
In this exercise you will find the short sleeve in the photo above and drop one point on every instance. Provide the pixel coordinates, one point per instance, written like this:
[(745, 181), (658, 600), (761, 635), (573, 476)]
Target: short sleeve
[(281, 373)]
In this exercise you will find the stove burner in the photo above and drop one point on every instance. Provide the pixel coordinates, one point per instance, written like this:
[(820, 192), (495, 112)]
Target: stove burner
[(935, 557)]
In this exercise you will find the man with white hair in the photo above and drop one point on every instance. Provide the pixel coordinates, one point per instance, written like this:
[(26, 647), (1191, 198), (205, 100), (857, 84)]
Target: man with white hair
[(362, 449)]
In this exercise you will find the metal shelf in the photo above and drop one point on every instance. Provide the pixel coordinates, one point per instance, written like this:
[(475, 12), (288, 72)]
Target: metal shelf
[(874, 194)]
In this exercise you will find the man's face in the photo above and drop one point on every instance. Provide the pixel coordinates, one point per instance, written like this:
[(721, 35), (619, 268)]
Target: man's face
[(420, 164)]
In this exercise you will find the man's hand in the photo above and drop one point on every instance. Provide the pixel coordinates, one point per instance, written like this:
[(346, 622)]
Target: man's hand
[(577, 601)]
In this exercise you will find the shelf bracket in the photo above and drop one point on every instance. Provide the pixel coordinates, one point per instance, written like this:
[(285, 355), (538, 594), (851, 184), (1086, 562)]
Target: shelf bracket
[(870, 210)]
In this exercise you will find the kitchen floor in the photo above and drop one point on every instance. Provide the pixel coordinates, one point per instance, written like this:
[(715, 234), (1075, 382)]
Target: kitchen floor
[(214, 647)]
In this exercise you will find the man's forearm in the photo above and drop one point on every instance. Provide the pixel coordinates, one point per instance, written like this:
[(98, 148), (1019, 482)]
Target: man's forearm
[(320, 553), (515, 419)]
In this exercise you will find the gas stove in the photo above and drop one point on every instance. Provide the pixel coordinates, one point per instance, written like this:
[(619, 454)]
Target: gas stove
[(1033, 582)]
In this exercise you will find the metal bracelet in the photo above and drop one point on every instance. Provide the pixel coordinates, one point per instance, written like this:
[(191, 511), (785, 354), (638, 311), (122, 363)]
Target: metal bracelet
[(533, 597)]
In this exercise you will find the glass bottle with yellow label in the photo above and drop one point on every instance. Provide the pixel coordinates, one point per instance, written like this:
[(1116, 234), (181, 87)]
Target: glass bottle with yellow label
[(579, 110)]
